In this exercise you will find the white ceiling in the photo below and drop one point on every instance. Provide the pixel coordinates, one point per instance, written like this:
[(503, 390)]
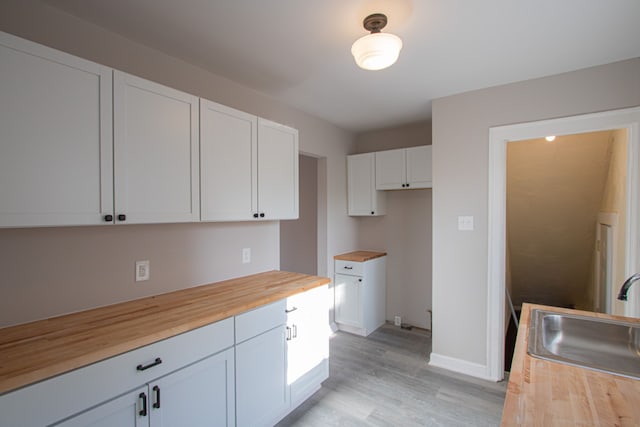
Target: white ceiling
[(298, 51)]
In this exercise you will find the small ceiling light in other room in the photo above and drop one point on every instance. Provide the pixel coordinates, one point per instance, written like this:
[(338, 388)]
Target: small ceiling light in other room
[(550, 138), (377, 50)]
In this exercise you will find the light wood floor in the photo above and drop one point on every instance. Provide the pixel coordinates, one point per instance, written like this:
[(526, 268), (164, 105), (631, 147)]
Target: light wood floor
[(384, 380)]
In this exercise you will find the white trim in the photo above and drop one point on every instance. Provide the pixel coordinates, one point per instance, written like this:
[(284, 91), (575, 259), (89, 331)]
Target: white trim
[(609, 219), (498, 137), (459, 365)]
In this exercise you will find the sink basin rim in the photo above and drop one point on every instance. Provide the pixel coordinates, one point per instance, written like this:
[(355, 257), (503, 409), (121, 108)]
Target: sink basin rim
[(537, 349)]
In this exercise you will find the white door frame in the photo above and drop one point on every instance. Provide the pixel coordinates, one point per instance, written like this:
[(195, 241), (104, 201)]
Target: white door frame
[(628, 119), (610, 220)]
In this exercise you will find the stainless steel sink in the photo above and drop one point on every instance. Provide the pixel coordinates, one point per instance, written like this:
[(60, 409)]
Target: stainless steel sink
[(603, 345)]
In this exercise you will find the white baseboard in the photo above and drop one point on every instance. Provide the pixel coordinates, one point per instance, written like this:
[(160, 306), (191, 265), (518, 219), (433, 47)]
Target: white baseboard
[(459, 365)]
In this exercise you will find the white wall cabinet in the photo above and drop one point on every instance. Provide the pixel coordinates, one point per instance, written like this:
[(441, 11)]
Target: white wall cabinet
[(56, 137), (249, 166), (360, 295), (405, 168), (156, 146), (262, 392), (307, 343), (363, 198)]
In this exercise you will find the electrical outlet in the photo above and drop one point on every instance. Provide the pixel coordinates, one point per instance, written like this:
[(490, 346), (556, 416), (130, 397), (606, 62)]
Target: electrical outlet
[(143, 270), (246, 255), (397, 320)]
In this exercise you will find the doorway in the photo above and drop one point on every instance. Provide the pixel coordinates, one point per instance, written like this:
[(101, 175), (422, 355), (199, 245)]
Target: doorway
[(627, 119), (299, 238)]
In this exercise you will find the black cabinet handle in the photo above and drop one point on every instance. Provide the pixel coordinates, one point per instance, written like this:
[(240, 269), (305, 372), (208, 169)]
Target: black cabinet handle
[(290, 310), (295, 331), (288, 333), (255, 215), (143, 411), (122, 217), (150, 365), (348, 267), (156, 389), (262, 215), (108, 218)]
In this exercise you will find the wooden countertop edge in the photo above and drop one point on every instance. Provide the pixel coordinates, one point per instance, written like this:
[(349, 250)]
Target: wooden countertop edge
[(526, 369), (14, 380), (359, 256)]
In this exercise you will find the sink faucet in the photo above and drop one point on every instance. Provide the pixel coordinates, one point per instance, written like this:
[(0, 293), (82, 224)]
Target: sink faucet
[(622, 295)]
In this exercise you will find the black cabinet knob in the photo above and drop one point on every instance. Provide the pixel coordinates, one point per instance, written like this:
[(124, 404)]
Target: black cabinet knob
[(373, 213), (262, 215), (255, 215), (403, 185), (122, 217), (108, 218), (407, 185)]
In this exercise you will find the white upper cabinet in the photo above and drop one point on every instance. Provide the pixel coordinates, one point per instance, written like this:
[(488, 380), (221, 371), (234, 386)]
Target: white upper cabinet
[(55, 137), (405, 168), (156, 146), (249, 166), (277, 171), (363, 198), (228, 159)]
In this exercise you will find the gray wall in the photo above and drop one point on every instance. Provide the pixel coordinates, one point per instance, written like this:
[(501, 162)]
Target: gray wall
[(404, 232), (296, 253), (460, 164), (52, 271)]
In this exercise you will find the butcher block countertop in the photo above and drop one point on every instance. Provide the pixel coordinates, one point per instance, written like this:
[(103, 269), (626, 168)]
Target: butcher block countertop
[(38, 350), (546, 393), (359, 256)]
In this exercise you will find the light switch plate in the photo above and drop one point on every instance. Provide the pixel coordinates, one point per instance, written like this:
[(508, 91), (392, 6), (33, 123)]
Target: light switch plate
[(143, 270), (246, 255), (465, 223)]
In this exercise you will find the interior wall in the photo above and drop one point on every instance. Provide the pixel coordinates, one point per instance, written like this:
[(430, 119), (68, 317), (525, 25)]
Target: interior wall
[(404, 232), (296, 253), (99, 261), (461, 126), (614, 200), (554, 193)]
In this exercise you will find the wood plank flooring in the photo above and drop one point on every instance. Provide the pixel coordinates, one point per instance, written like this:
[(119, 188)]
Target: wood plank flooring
[(385, 380)]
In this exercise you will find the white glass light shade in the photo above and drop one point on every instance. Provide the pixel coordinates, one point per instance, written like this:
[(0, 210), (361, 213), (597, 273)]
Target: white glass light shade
[(376, 51)]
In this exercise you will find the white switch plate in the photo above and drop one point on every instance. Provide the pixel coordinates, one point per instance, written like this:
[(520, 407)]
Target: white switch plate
[(246, 255), (465, 223), (143, 270)]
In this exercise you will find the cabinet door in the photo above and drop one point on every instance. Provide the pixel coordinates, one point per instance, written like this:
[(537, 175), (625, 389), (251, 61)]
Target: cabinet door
[(128, 410), (156, 147), (277, 171), (199, 395), (348, 300), (228, 163), (56, 137), (364, 200), (308, 343), (262, 392), (390, 170), (419, 167)]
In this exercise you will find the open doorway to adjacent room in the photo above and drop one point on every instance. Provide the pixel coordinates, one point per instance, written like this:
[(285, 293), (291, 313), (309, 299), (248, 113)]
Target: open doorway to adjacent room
[(620, 122)]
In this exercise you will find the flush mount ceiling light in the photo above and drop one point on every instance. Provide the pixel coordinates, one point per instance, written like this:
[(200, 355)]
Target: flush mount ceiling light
[(550, 138), (377, 50)]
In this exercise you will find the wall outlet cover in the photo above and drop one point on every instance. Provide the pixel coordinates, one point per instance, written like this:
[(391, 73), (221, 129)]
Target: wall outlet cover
[(143, 270), (397, 320)]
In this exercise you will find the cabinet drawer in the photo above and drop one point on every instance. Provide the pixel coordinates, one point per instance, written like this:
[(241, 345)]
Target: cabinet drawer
[(349, 267), (260, 320), (67, 394)]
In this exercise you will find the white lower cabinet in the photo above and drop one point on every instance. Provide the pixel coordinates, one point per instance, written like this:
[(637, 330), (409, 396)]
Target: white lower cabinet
[(194, 372), (307, 343), (251, 370)]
